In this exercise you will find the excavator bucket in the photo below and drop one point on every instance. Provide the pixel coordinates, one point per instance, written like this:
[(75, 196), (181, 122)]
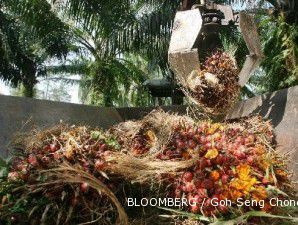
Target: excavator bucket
[(251, 37), (195, 34), (183, 57)]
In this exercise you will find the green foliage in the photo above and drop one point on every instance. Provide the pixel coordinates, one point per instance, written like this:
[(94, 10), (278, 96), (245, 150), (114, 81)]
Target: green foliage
[(113, 81), (243, 219), (50, 33), (105, 32), (3, 169), (280, 41), (29, 33), (102, 33), (17, 63)]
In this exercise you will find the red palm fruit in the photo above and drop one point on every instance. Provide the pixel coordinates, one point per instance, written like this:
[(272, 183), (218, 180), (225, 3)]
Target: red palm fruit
[(54, 147), (103, 147), (223, 208), (192, 144), (219, 159), (230, 147), (197, 137), (188, 176), (99, 164), (177, 136), (17, 164), (84, 187), (208, 145), (199, 130), (86, 165), (203, 139), (107, 154), (190, 133), (189, 187), (13, 176), (177, 139), (218, 191), (236, 129), (45, 160), (207, 184), (202, 151), (225, 179), (207, 203), (178, 153), (251, 138), (202, 193), (179, 150), (240, 140), (215, 175), (46, 148), (230, 172), (208, 138), (198, 182), (177, 128), (197, 199), (183, 134), (223, 141), (161, 156), (200, 174), (177, 193), (225, 159), (209, 163), (32, 160), (219, 145), (265, 181), (180, 144), (195, 208), (203, 163), (169, 153), (217, 136), (246, 141), (56, 156), (240, 155), (250, 160)]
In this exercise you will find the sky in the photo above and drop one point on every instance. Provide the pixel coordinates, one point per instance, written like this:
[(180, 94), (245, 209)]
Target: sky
[(4, 89), (72, 90)]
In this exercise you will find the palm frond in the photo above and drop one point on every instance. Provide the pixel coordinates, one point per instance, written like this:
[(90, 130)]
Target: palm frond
[(51, 32), (16, 64)]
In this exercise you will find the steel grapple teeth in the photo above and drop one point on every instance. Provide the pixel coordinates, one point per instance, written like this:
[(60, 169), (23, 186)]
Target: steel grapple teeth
[(210, 78)]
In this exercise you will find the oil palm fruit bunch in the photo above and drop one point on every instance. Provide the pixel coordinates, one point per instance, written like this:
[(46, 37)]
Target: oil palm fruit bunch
[(216, 87)]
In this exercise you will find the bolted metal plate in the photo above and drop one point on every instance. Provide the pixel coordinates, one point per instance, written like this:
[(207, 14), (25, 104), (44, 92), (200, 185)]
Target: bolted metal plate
[(249, 31), (183, 58), (228, 13), (183, 63), (186, 29)]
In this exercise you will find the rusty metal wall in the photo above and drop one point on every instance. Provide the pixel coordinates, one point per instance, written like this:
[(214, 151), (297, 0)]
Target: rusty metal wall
[(23, 114), (281, 107)]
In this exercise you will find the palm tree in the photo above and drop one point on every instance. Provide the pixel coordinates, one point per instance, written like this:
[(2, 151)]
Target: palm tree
[(105, 32), (146, 30), (105, 40), (30, 33)]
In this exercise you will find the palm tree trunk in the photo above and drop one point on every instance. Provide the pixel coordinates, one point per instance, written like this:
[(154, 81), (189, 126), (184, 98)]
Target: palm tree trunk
[(108, 102), (28, 90)]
